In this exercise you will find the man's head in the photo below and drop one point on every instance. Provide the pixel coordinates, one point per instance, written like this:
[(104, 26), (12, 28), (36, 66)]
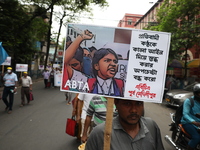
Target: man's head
[(129, 111), (9, 70), (105, 63), (86, 52), (25, 74)]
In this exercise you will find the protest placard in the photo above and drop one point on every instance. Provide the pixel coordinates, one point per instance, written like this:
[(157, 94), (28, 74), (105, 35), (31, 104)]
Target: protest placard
[(21, 67), (7, 62), (57, 79), (115, 62), (56, 65), (41, 67)]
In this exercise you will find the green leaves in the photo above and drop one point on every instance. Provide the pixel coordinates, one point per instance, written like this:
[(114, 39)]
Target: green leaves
[(18, 33), (180, 18)]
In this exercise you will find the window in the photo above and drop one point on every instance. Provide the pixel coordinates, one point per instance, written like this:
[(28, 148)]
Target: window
[(129, 22)]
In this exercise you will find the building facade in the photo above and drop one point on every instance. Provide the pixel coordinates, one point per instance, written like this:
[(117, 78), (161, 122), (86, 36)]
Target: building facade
[(149, 16), (129, 20)]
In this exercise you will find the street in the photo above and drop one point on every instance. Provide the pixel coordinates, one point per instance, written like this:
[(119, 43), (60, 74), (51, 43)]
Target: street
[(41, 125)]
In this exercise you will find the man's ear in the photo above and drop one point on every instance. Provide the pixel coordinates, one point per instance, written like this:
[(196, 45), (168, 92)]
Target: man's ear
[(96, 67)]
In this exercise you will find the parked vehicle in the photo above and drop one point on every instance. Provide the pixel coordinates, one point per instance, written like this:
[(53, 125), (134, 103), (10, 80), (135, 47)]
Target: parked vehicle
[(179, 137), (176, 97)]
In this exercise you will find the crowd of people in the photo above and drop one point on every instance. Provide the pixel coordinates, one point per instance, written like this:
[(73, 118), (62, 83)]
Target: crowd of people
[(129, 124), (11, 83), (130, 129), (49, 77)]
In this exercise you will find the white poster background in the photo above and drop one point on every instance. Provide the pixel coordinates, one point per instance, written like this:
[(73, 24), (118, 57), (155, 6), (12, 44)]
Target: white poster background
[(7, 62), (147, 65), (57, 79), (21, 67)]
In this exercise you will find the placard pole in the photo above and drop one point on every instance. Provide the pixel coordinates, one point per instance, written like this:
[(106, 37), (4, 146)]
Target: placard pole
[(2, 69), (108, 123)]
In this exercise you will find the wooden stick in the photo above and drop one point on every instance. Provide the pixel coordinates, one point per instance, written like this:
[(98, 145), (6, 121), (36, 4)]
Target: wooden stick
[(2, 69), (108, 123)]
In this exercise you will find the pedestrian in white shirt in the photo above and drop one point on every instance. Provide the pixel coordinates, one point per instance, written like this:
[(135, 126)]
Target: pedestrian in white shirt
[(26, 82), (46, 75), (10, 87)]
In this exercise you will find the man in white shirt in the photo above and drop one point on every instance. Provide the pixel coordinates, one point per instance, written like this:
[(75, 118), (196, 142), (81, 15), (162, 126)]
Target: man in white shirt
[(10, 87), (26, 82)]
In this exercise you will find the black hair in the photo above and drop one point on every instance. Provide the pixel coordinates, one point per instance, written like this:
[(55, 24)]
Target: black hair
[(68, 39), (92, 49)]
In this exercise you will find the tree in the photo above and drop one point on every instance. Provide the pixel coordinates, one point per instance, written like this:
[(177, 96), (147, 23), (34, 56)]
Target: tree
[(68, 13), (22, 28), (70, 7), (18, 34), (182, 19)]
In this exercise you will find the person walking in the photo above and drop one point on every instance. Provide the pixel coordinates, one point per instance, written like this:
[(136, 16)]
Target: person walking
[(26, 82), (130, 130), (70, 97), (52, 78), (46, 75), (10, 87)]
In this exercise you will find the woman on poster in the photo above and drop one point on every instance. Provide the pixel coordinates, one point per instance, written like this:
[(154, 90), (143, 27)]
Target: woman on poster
[(105, 66)]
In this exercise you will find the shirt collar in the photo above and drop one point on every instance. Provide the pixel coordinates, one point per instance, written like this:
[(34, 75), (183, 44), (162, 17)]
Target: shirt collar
[(101, 81), (143, 128)]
